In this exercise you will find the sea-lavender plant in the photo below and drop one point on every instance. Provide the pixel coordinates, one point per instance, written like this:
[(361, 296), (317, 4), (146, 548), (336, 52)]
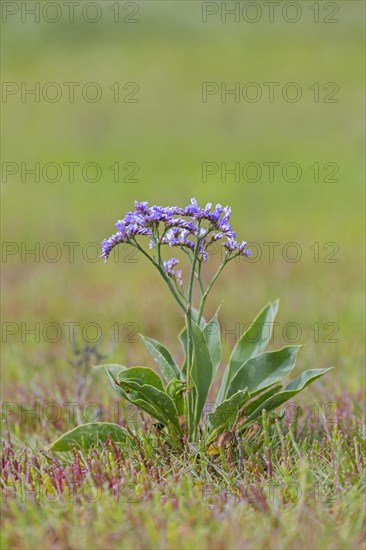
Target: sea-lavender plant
[(177, 400)]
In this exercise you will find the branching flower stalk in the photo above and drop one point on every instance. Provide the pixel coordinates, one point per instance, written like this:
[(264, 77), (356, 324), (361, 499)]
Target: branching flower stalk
[(193, 229)]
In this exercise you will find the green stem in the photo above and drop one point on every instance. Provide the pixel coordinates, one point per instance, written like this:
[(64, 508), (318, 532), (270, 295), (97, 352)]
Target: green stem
[(180, 290), (199, 280), (207, 291), (164, 275), (190, 402)]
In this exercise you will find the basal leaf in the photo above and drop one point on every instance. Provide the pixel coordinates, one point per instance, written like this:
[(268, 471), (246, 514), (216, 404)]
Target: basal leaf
[(211, 330), (89, 435), (112, 372), (201, 372), (130, 395), (156, 402), (252, 342), (225, 414), (263, 370), (143, 374), (175, 390), (112, 367), (253, 404), (292, 389), (128, 383), (183, 339), (162, 358)]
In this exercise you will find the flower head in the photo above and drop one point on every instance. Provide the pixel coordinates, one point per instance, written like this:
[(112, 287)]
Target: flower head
[(176, 226)]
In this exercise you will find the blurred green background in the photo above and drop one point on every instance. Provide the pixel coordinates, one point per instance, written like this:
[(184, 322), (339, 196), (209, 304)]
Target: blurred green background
[(169, 133)]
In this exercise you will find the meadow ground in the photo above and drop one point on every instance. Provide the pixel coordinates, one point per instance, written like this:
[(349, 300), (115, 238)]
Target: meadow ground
[(300, 485)]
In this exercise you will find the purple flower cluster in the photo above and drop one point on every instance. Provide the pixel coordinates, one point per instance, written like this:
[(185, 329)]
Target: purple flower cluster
[(206, 224), (168, 267)]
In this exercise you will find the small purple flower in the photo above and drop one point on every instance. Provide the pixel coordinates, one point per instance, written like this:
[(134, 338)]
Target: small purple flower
[(231, 245), (175, 236), (242, 247), (169, 265), (184, 224), (192, 209)]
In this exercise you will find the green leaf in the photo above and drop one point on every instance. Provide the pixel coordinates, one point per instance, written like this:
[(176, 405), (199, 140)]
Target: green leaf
[(212, 333), (162, 358), (263, 370), (154, 401), (112, 367), (201, 372), (130, 395), (252, 405), (143, 374), (195, 313), (162, 402), (89, 435), (292, 389), (225, 414), (183, 339), (112, 371), (252, 342), (175, 390), (150, 398)]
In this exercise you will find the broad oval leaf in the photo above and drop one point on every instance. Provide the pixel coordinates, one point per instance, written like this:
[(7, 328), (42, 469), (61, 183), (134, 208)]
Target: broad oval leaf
[(225, 414), (263, 370), (292, 389), (252, 342), (89, 435), (162, 358)]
